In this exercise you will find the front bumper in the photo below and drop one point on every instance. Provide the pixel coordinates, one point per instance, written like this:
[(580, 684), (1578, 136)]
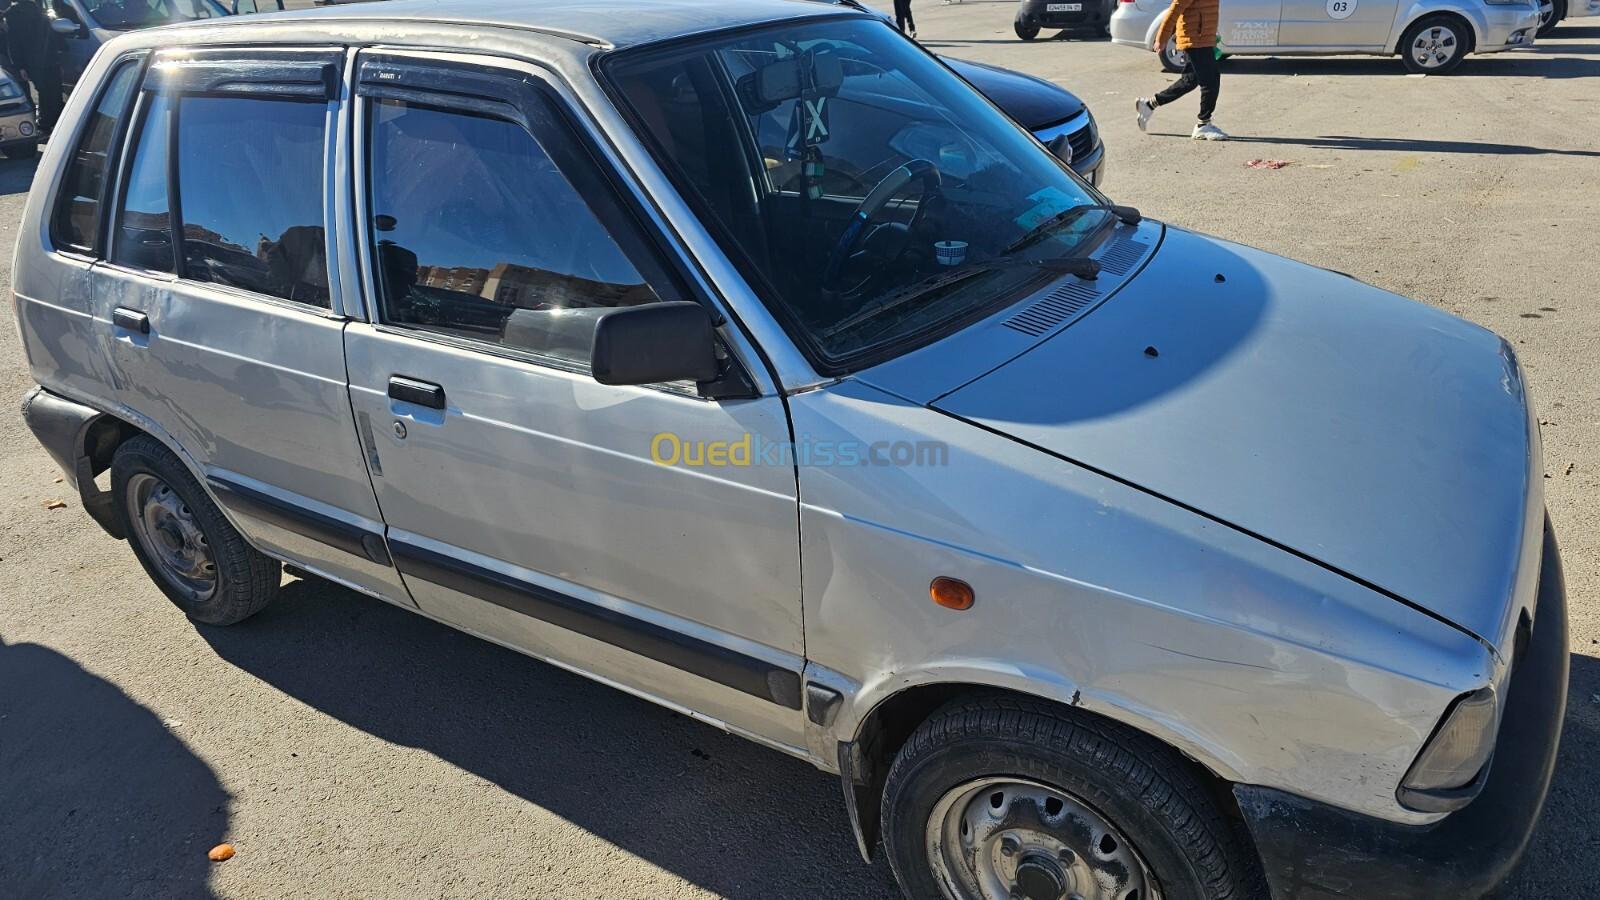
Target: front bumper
[(18, 128), (1508, 28), (1315, 852)]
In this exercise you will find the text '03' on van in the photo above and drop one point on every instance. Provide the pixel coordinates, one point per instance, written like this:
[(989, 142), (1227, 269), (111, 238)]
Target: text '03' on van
[(744, 357)]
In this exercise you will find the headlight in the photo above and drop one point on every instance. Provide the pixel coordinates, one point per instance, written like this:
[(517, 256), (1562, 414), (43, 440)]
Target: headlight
[(9, 90), (1452, 760)]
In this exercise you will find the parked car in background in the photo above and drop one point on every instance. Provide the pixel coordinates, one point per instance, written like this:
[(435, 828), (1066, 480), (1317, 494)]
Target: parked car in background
[(19, 138), (743, 357), (1553, 12), (97, 21), (1055, 115), (1067, 15), (1430, 38)]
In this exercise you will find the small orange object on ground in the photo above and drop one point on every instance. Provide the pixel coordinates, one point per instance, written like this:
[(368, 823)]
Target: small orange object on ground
[(221, 852)]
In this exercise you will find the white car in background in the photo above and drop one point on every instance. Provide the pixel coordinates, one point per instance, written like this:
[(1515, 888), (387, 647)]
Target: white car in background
[(1430, 36)]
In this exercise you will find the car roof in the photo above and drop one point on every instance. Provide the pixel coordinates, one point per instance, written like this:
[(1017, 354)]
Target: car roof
[(611, 23)]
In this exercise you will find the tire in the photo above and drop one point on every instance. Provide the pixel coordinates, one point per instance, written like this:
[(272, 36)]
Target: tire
[(1173, 59), (1027, 29), (1450, 39), (183, 540), (1558, 11), (28, 152), (1125, 806)]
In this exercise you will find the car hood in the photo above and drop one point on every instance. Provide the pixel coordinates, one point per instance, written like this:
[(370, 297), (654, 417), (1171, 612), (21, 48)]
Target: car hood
[(1372, 434), (1034, 103)]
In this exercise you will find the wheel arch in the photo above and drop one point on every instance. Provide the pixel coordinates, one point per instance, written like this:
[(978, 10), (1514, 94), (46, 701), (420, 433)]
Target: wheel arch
[(890, 715), (83, 439)]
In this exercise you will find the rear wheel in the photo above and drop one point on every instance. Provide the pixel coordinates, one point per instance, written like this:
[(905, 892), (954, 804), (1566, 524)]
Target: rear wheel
[(1435, 45), (1027, 29), (1002, 798), (1173, 59), (186, 545)]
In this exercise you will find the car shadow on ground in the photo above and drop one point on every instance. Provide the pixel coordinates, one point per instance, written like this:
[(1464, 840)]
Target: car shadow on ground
[(1408, 145), (98, 798), (720, 812), (1547, 870)]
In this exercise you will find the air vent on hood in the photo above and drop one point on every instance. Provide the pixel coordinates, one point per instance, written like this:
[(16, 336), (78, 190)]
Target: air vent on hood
[(1123, 255), (1061, 304)]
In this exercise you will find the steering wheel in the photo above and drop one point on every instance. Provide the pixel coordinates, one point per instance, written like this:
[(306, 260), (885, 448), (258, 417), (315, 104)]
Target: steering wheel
[(916, 170)]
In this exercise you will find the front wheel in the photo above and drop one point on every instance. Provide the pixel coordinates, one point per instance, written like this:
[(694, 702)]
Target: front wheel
[(1027, 29), (1001, 798), (1173, 59), (1551, 12), (1435, 45)]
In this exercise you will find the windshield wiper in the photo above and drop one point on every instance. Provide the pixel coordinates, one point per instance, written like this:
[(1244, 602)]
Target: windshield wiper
[(1043, 229), (911, 292)]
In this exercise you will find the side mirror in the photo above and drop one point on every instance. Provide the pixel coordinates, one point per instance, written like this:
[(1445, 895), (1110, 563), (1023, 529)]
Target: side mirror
[(656, 342), (65, 27)]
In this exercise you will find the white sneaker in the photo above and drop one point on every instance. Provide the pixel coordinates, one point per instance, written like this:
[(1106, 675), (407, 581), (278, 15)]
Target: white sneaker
[(913, 34), (1206, 131), (1146, 109)]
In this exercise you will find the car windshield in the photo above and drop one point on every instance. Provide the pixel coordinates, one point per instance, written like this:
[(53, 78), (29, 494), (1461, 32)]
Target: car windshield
[(873, 198), (127, 15)]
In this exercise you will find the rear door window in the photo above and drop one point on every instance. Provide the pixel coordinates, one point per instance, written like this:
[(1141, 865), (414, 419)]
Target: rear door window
[(250, 183), (248, 205), (144, 224)]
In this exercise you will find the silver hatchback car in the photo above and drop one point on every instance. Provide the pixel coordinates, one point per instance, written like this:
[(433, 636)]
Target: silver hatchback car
[(743, 357)]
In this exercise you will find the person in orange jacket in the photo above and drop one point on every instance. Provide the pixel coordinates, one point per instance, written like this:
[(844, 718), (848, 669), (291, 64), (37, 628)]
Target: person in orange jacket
[(1194, 22)]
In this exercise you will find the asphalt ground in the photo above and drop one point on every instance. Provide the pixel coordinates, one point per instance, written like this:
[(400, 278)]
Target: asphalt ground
[(347, 748)]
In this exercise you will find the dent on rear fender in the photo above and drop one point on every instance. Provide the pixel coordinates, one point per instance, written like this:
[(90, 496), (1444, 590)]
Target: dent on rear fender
[(1265, 668)]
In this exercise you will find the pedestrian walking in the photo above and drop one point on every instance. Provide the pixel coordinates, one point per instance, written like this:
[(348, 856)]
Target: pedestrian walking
[(1194, 23), (903, 20), (35, 50)]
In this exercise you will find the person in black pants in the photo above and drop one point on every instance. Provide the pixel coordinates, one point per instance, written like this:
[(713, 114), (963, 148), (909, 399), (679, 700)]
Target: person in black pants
[(35, 49), (903, 20), (1204, 73)]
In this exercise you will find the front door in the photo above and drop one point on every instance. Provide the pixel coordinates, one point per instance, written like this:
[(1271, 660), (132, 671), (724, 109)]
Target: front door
[(526, 502), (1338, 24)]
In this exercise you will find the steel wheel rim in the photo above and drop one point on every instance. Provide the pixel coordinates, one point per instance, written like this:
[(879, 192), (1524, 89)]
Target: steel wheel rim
[(1547, 9), (1434, 46), (1005, 838), (166, 529)]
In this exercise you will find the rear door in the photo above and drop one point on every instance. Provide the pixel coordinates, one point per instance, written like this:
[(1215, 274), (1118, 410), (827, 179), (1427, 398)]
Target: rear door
[(525, 501), (226, 328)]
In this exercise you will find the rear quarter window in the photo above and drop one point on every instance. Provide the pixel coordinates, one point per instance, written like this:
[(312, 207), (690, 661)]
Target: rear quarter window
[(78, 213)]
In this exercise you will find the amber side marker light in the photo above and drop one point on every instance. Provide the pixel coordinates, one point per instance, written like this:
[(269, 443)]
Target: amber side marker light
[(951, 593)]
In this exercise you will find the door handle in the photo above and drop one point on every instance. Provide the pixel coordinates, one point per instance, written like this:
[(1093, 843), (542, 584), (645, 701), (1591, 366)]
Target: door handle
[(411, 390), (130, 320)]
